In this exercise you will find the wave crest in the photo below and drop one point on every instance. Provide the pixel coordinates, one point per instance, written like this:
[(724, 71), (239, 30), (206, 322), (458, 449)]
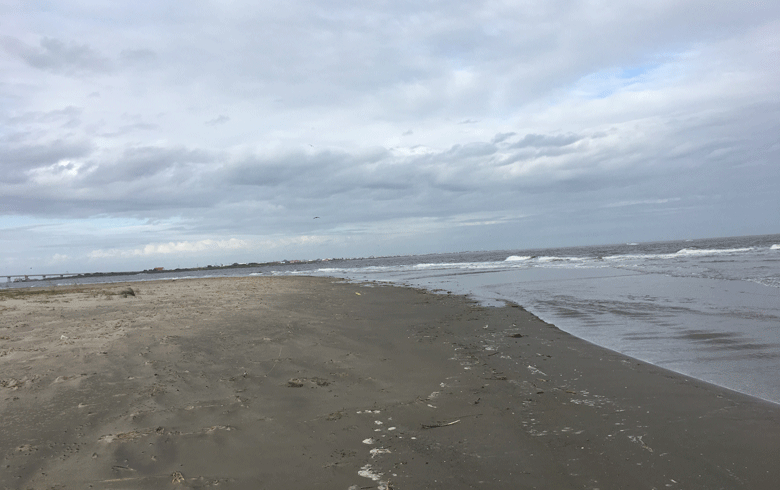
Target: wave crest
[(704, 251)]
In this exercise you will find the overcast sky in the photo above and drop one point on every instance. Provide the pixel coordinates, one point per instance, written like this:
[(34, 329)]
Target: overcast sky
[(181, 133)]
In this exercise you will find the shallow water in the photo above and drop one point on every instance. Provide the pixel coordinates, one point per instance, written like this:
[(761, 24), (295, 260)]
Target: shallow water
[(709, 308)]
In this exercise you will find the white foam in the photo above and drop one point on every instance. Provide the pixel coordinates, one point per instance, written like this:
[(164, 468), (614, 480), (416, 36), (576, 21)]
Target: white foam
[(638, 256), (772, 282), (685, 252), (715, 251), (776, 246), (517, 258), (546, 259)]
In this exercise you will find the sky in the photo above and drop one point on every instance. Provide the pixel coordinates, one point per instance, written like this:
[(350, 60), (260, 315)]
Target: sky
[(175, 134)]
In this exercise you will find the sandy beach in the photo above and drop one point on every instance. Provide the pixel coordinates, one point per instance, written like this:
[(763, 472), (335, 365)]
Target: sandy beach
[(299, 382)]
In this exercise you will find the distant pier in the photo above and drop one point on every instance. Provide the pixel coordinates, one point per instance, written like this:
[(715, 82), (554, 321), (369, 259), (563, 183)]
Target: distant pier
[(37, 277)]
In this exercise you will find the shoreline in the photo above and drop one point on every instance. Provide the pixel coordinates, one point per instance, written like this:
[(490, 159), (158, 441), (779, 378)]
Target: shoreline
[(289, 382)]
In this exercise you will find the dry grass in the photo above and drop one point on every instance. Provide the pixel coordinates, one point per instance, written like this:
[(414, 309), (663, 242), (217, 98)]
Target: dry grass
[(24, 293), (41, 294)]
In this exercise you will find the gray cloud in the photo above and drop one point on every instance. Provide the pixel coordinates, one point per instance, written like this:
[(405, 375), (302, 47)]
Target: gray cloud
[(501, 137), (18, 160), (69, 115), (136, 57), (541, 140), (139, 164), (221, 119), (57, 56)]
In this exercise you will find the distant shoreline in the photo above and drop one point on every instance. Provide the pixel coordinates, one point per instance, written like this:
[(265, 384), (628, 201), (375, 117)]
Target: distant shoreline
[(67, 275)]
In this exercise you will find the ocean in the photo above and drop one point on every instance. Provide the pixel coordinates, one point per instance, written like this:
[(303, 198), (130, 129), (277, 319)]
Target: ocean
[(709, 309), (706, 308)]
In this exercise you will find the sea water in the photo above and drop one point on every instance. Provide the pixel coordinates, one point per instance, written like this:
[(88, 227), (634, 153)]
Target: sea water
[(706, 308), (709, 308)]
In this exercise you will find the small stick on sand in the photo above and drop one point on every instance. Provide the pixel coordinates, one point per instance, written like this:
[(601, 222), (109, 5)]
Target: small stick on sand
[(275, 362), (433, 426)]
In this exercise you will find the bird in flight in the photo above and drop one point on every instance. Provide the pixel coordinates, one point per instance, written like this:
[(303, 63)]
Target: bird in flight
[(316, 217)]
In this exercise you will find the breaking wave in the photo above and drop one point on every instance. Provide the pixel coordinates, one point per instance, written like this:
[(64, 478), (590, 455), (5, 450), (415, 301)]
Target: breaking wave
[(517, 258)]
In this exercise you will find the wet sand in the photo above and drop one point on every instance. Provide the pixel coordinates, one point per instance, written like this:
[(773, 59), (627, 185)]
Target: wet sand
[(276, 383)]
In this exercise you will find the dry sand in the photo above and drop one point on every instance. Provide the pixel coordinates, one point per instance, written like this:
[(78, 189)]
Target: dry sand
[(276, 383)]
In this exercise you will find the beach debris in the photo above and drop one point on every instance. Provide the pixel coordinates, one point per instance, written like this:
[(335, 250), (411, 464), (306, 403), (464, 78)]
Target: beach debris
[(26, 448), (516, 335), (336, 415), (368, 472), (132, 435), (209, 430), (278, 358), (377, 451), (177, 477), (299, 382), (62, 379), (369, 441), (535, 370), (638, 440), (439, 424), (590, 403), (11, 383)]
